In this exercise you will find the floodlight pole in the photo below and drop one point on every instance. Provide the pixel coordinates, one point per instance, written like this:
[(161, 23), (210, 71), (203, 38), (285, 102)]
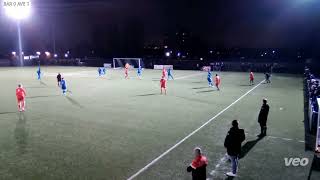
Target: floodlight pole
[(20, 43), (54, 38)]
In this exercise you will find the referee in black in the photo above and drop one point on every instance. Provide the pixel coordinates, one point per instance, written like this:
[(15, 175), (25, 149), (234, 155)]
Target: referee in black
[(263, 117)]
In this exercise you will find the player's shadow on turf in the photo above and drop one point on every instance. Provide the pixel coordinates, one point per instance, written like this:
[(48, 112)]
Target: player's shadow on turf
[(200, 87), (248, 146), (197, 82), (229, 178), (74, 102), (212, 90), (192, 99), (142, 95), (245, 85), (7, 113), (21, 133), (42, 83), (33, 97), (35, 87), (315, 166)]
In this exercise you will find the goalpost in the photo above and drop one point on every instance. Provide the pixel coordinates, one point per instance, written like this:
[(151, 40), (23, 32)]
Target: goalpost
[(121, 62)]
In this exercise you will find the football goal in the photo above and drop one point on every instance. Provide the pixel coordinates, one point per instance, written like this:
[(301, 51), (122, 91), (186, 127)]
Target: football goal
[(121, 62)]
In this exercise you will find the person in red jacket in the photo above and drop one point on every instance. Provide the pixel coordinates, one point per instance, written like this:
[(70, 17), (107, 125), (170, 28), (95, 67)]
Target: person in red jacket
[(198, 167), (21, 94), (163, 85), (251, 78)]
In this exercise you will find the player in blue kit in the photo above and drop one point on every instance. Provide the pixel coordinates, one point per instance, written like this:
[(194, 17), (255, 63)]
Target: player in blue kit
[(39, 73), (170, 74), (209, 78), (99, 71), (63, 86), (139, 72), (104, 71)]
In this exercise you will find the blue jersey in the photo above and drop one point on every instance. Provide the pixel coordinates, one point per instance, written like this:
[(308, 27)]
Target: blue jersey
[(139, 71), (209, 75), (63, 84), (39, 73), (169, 72)]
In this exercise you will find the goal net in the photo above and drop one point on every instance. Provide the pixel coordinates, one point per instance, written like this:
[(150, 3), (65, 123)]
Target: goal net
[(121, 62)]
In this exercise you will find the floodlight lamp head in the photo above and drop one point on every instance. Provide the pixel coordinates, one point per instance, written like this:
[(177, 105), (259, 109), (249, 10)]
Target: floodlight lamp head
[(17, 10)]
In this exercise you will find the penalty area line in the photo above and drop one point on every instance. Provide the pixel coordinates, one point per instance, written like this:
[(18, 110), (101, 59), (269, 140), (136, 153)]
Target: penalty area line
[(192, 133)]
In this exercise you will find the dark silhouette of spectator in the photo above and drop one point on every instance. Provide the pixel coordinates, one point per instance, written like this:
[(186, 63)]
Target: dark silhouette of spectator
[(263, 117), (59, 79), (233, 142), (198, 167)]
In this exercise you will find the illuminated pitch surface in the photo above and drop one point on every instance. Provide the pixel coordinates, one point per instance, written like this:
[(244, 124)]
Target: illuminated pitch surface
[(109, 127)]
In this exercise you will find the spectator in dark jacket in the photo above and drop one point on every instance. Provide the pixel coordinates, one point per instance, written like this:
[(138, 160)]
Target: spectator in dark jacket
[(233, 142), (263, 116), (59, 79), (198, 167)]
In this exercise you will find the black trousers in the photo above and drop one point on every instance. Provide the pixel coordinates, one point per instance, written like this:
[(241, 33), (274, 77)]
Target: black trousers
[(263, 128)]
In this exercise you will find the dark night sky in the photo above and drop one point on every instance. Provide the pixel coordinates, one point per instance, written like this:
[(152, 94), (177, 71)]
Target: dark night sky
[(241, 23)]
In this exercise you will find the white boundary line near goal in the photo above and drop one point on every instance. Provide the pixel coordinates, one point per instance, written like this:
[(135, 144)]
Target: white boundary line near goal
[(192, 133)]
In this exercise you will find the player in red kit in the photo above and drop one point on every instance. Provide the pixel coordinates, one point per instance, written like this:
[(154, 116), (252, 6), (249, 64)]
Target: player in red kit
[(251, 78), (217, 81), (164, 72), (163, 85), (21, 94), (126, 69)]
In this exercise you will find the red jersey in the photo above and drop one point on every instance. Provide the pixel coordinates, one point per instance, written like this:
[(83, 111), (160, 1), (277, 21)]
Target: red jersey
[(163, 72), (199, 161), (163, 83), (217, 79), (251, 76), (20, 93)]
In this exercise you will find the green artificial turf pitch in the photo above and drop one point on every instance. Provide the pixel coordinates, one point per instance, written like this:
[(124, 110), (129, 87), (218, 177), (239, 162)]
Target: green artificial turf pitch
[(109, 128)]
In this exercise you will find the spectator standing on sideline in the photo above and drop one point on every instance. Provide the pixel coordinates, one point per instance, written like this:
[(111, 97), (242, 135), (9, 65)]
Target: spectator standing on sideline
[(233, 142), (59, 79), (198, 167), (263, 117)]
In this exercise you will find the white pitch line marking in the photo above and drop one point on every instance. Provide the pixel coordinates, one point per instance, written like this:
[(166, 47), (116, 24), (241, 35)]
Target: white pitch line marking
[(286, 139), (273, 137), (221, 161), (192, 133)]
